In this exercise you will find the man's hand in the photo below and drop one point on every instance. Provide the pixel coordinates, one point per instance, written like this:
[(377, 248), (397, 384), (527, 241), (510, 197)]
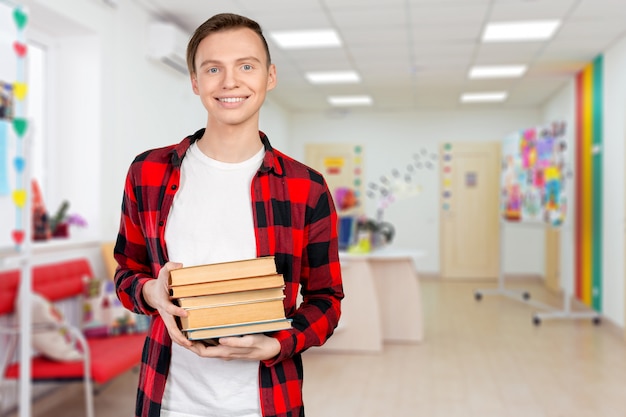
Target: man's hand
[(256, 347), (156, 293)]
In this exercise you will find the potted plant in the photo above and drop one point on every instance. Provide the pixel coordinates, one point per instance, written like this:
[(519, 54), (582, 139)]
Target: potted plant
[(60, 223)]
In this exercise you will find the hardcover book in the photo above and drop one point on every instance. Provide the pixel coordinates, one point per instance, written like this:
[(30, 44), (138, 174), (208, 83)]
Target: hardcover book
[(231, 298), (238, 329), (233, 314), (223, 271), (233, 285)]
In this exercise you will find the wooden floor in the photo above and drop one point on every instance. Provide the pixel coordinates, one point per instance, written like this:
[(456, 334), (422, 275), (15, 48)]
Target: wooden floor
[(479, 359)]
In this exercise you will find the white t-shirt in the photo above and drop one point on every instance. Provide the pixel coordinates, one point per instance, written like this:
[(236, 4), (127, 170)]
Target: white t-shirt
[(211, 221)]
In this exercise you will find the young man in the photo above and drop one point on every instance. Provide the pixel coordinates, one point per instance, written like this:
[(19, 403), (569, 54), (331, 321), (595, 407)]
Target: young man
[(224, 194)]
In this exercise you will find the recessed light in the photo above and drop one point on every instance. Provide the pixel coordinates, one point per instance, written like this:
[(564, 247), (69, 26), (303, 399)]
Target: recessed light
[(303, 39), (493, 96), (497, 71), (531, 30), (350, 100), (333, 77)]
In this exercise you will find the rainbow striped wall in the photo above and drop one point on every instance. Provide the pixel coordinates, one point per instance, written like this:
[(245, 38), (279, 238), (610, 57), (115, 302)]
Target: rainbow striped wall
[(588, 212)]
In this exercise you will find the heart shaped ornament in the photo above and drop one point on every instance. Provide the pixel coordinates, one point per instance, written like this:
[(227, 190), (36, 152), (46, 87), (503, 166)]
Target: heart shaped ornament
[(19, 198), (20, 18), (20, 49), (19, 164), (20, 125), (18, 236), (20, 90)]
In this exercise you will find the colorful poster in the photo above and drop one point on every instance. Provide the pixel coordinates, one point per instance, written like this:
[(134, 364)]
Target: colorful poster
[(341, 165), (533, 175), (342, 168)]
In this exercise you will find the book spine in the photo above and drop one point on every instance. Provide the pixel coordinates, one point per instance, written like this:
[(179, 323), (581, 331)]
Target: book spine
[(244, 313)]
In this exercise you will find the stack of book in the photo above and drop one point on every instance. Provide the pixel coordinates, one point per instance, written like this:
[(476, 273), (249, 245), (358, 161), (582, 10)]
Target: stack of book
[(230, 298)]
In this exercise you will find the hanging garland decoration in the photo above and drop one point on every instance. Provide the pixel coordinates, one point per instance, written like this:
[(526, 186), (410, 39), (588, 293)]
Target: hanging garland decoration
[(399, 184), (20, 126)]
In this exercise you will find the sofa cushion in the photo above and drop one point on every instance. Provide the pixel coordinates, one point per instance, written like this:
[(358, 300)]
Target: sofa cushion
[(110, 357), (51, 336)]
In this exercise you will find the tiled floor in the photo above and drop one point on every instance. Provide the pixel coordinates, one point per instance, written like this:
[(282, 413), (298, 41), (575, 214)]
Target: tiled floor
[(479, 359)]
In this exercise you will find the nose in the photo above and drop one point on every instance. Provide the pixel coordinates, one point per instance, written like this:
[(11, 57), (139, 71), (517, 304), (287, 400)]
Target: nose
[(230, 80)]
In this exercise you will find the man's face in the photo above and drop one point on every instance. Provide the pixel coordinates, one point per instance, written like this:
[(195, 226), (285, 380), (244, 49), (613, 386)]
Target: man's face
[(232, 76)]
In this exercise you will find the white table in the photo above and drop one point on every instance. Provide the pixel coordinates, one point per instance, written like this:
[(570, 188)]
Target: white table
[(383, 301)]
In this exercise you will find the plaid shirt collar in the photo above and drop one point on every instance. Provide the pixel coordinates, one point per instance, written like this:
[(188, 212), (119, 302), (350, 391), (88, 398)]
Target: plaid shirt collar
[(270, 162)]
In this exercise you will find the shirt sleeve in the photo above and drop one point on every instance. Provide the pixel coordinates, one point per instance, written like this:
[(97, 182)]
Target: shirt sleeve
[(318, 315), (131, 253)]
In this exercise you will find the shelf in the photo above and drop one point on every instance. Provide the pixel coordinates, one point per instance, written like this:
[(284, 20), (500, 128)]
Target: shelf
[(10, 257)]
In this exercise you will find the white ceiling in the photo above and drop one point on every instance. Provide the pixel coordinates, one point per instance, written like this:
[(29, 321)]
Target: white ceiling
[(416, 54)]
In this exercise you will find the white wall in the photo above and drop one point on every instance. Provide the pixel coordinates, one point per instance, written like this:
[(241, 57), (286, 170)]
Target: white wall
[(390, 140), (613, 176), (275, 123)]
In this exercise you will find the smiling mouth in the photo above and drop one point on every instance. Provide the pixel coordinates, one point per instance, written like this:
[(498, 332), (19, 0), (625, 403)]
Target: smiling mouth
[(232, 99)]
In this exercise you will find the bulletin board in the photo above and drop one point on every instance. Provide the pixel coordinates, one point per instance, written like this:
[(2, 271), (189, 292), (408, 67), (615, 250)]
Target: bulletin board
[(342, 168), (534, 175), (13, 125)]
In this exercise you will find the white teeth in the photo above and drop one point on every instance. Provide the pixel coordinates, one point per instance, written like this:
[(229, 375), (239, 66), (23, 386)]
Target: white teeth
[(232, 99)]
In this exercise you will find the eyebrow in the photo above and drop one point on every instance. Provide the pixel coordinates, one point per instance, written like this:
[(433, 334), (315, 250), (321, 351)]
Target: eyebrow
[(215, 61)]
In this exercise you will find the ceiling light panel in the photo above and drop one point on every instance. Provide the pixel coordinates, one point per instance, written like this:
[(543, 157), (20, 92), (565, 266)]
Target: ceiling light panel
[(531, 30), (497, 71), (493, 96), (350, 100), (306, 39), (333, 77)]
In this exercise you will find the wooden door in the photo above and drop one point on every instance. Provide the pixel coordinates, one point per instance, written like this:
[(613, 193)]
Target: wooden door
[(470, 210), (553, 259)]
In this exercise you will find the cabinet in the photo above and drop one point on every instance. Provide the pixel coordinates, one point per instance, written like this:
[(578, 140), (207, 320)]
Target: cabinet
[(383, 301)]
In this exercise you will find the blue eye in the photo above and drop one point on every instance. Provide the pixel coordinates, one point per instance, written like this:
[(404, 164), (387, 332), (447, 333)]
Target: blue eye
[(213, 70), (247, 67)]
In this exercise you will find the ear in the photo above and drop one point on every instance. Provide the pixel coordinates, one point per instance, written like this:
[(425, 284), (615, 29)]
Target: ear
[(194, 84), (271, 77)]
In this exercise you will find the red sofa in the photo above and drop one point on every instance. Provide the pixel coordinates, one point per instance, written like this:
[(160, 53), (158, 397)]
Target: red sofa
[(108, 357)]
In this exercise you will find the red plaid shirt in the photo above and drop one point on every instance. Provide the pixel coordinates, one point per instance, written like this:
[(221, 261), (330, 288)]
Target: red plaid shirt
[(295, 220)]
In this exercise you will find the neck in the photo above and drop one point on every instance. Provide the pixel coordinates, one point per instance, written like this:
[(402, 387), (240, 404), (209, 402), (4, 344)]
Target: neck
[(230, 143)]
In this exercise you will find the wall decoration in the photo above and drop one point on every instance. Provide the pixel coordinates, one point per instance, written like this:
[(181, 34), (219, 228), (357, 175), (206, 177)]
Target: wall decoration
[(589, 192), (13, 124), (446, 182), (342, 167), (471, 179), (534, 174), (400, 184)]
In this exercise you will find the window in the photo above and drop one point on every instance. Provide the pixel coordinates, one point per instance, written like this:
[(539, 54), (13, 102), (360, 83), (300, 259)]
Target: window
[(36, 111)]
